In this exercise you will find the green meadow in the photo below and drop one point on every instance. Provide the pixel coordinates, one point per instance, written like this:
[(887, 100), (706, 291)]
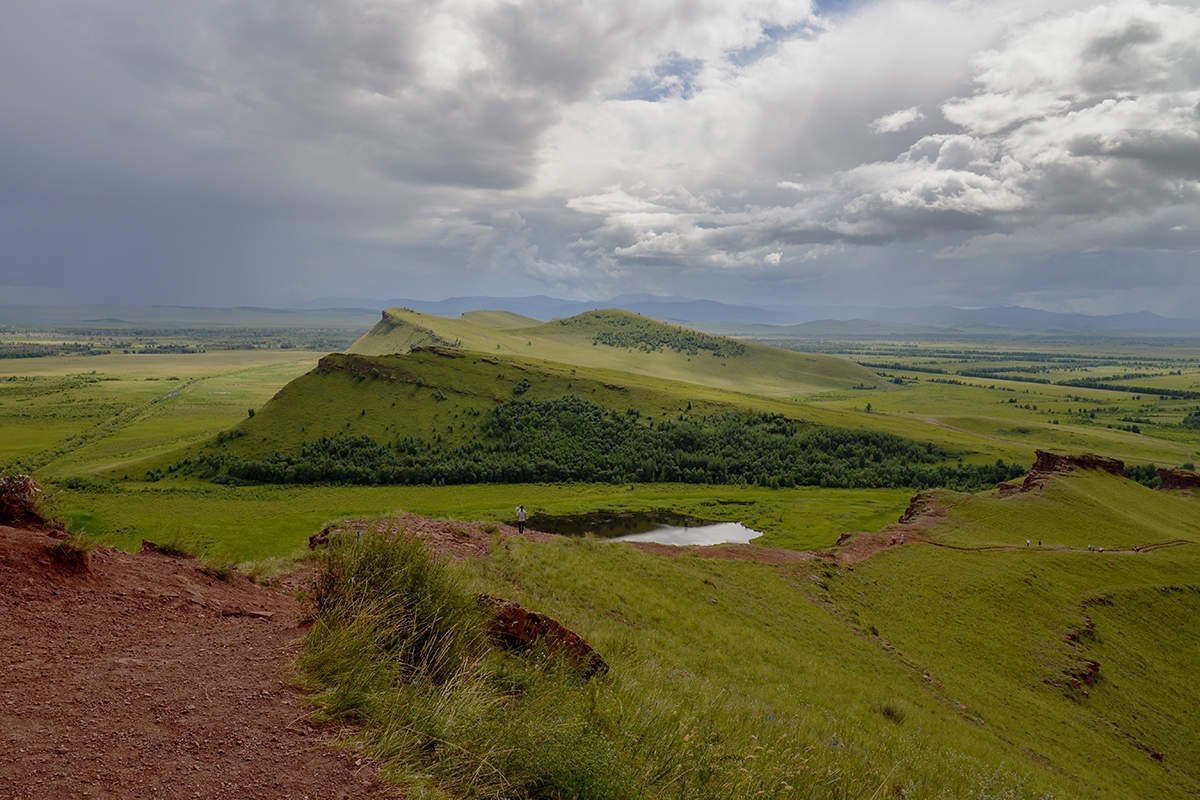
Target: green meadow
[(963, 665), (254, 522)]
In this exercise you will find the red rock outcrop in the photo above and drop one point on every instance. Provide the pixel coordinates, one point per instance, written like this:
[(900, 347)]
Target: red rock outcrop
[(1048, 463), (517, 628), (922, 504), (1178, 479), (1054, 462)]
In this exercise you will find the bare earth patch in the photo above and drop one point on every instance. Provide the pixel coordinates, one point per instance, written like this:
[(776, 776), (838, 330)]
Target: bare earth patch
[(448, 538), (139, 676)]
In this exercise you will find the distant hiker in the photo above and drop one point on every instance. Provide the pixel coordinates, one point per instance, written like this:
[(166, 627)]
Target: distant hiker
[(1027, 543), (902, 538), (1039, 542), (520, 519)]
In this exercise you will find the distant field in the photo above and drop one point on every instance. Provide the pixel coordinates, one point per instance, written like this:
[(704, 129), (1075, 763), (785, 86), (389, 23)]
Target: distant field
[(78, 415), (1009, 396)]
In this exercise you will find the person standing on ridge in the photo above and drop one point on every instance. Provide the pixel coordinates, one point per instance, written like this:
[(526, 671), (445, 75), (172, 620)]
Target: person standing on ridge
[(520, 519)]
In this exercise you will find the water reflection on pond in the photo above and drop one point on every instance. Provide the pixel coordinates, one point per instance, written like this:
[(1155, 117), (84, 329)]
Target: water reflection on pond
[(663, 527)]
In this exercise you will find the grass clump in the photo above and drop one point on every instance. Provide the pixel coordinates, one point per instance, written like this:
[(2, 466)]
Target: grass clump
[(220, 570), (72, 553), (400, 646)]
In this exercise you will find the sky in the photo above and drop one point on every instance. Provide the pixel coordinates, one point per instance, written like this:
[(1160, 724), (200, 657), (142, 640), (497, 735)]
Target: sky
[(847, 152)]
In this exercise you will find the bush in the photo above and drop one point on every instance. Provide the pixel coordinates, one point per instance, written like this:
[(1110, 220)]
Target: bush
[(1145, 474), (22, 499)]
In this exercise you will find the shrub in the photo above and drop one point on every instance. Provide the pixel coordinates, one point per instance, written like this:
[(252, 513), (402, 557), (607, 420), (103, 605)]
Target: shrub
[(22, 499)]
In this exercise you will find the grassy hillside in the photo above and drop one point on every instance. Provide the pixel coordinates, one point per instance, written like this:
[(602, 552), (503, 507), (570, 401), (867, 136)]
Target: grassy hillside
[(623, 341), (499, 319), (975, 651), (922, 671), (440, 394), (445, 415)]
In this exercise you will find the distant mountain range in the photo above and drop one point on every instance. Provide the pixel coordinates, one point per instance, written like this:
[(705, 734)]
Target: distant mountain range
[(547, 308), (813, 320), (765, 322)]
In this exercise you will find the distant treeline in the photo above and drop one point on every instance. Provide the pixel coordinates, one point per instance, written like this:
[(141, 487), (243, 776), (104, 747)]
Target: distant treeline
[(39, 349), (1006, 373), (1099, 383), (573, 439), (898, 365)]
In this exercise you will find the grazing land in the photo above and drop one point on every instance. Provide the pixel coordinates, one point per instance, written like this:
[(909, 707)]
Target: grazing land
[(996, 652)]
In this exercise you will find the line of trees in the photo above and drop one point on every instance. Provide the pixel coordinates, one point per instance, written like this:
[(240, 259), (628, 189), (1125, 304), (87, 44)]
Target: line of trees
[(572, 439)]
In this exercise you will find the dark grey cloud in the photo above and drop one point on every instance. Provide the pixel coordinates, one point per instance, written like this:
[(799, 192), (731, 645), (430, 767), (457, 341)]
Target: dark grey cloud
[(270, 151)]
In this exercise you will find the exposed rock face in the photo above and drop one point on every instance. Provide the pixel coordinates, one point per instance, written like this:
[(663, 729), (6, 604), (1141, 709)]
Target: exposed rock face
[(922, 504), (1053, 462), (1178, 479), (517, 628), (320, 538), (1048, 463)]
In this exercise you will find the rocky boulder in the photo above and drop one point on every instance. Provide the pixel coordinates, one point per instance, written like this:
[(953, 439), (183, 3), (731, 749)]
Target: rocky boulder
[(519, 629), (1178, 479)]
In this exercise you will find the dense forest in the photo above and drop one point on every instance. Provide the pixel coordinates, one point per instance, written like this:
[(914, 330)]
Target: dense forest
[(572, 439)]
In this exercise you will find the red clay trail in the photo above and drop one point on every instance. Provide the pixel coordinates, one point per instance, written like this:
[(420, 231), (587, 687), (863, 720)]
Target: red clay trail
[(142, 677)]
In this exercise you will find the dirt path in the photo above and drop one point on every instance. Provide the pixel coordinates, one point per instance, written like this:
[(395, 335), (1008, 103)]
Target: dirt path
[(143, 677)]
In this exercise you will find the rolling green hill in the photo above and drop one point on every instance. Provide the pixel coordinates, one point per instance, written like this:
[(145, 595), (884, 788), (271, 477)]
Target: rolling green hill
[(622, 341), (443, 414)]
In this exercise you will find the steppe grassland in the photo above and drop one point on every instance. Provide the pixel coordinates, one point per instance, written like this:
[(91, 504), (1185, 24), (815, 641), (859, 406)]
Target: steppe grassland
[(984, 418), (1038, 411), (74, 415), (836, 696)]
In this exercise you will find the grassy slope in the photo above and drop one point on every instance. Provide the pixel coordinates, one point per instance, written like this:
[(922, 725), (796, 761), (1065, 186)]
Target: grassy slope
[(989, 629), (761, 369), (499, 319), (992, 627), (980, 408), (440, 394), (1119, 514), (80, 416)]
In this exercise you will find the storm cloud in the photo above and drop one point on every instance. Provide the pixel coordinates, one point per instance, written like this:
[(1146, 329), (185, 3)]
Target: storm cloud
[(901, 152)]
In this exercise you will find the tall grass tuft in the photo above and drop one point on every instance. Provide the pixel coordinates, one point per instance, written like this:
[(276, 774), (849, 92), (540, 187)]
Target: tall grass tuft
[(399, 645)]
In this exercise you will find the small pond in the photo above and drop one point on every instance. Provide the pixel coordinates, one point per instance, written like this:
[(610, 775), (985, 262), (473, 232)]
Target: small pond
[(663, 527)]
